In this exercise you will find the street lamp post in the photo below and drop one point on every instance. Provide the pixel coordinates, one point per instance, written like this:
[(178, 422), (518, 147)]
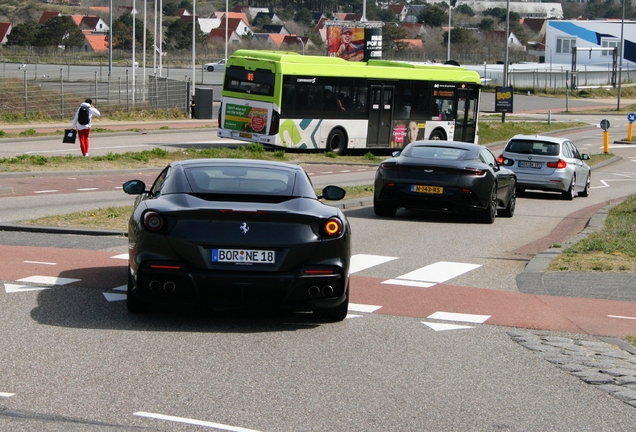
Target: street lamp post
[(301, 41), (450, 7), (620, 59)]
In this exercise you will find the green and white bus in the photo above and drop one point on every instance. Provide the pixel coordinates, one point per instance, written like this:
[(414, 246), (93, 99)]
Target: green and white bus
[(288, 100)]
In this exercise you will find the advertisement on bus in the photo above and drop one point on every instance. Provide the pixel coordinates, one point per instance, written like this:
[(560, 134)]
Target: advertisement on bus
[(246, 119)]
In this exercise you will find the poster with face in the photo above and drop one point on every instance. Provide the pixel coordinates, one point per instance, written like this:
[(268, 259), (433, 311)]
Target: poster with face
[(346, 43)]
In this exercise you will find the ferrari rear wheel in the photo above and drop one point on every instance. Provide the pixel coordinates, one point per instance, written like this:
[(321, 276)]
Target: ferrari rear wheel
[(488, 214), (133, 304), (338, 313), (383, 209)]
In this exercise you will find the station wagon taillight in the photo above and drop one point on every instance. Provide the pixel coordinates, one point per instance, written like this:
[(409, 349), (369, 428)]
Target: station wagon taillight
[(558, 164)]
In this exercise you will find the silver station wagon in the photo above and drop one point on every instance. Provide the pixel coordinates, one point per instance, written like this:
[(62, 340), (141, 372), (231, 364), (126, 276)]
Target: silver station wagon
[(548, 164)]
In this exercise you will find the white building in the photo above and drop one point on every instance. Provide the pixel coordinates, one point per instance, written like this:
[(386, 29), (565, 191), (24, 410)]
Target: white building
[(562, 36)]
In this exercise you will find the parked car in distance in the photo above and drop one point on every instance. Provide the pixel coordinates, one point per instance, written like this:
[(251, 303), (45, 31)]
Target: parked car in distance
[(445, 176), (238, 233), (215, 67), (548, 164)]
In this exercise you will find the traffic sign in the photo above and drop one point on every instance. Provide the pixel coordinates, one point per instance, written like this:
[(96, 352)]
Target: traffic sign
[(605, 124), (631, 117)]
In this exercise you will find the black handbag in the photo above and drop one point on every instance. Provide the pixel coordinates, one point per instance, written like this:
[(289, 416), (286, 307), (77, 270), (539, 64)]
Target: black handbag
[(70, 135)]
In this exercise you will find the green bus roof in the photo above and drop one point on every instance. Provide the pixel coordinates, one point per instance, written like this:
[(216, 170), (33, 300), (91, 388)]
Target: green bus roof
[(291, 63)]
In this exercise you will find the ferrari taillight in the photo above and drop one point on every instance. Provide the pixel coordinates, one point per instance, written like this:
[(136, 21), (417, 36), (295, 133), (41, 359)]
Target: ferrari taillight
[(153, 221), (558, 164), (333, 227)]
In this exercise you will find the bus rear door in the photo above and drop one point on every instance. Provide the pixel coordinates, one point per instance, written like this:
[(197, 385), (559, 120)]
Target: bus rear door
[(380, 114), (466, 122)]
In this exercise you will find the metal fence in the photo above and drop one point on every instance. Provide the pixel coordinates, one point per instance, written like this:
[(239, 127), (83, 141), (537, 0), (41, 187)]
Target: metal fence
[(56, 97)]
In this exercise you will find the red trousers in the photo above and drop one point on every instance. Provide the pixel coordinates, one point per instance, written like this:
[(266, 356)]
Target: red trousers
[(83, 139)]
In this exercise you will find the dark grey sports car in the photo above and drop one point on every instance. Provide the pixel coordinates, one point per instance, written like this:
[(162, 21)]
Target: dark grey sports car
[(445, 176), (238, 233)]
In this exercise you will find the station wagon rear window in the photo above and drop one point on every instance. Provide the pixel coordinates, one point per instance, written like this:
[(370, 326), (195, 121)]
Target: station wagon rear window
[(533, 147)]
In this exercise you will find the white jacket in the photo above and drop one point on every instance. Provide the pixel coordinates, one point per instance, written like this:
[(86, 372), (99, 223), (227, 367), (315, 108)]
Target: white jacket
[(91, 112)]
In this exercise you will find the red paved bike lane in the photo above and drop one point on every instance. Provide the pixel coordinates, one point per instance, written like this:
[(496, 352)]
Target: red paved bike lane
[(104, 271)]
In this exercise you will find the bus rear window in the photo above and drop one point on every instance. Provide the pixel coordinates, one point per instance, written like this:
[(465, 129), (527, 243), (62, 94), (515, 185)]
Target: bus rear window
[(260, 81)]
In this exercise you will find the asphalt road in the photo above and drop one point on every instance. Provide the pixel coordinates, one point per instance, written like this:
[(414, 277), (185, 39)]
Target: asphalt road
[(72, 358)]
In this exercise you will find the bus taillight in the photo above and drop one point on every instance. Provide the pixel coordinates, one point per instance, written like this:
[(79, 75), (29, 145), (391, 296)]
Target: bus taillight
[(220, 111)]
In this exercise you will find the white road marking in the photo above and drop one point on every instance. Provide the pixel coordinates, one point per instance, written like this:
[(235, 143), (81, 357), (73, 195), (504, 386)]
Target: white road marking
[(111, 297), (48, 280), (442, 327), (87, 189), (121, 256), (623, 317), (193, 422), (439, 272), (361, 262), (121, 288), (363, 308), (46, 191), (11, 288), (40, 262), (461, 317), (353, 316), (408, 283), (343, 171), (6, 395)]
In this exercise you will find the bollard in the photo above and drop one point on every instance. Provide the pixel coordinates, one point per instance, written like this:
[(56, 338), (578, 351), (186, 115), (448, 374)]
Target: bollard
[(606, 142), (630, 129), (549, 116)]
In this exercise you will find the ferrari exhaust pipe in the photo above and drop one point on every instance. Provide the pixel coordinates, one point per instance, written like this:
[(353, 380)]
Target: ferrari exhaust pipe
[(169, 287), (327, 290), (154, 285), (313, 291)]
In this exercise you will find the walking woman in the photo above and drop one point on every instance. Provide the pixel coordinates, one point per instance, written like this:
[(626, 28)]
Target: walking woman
[(82, 122)]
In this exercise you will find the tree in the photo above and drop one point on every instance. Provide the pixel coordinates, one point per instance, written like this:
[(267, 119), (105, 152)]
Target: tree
[(486, 25), (122, 32), (391, 33), (60, 31), (433, 16), (461, 35), (24, 34), (387, 15), (179, 35), (171, 9), (465, 9), (304, 17)]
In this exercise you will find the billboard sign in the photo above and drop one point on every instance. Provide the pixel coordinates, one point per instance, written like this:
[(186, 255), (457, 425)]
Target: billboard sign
[(346, 43)]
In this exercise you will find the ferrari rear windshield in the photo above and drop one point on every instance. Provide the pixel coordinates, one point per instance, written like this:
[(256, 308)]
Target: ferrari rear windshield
[(239, 180)]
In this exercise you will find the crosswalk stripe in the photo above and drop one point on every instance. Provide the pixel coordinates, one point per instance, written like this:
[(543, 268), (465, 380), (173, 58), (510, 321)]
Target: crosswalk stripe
[(444, 326), (439, 272), (408, 283), (363, 308), (361, 262)]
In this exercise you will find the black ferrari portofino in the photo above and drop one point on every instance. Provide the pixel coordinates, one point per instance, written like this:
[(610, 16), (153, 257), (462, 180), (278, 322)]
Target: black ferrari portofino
[(445, 176), (238, 233)]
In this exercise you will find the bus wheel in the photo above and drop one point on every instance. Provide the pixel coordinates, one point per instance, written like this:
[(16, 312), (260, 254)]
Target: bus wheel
[(437, 135), (336, 142)]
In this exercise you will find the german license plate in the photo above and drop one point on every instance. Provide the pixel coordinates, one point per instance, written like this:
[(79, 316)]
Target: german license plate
[(245, 135), (427, 189), (524, 164), (243, 256)]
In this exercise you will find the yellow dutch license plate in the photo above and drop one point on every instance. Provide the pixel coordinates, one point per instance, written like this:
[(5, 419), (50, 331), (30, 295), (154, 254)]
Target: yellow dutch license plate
[(245, 135), (427, 189)]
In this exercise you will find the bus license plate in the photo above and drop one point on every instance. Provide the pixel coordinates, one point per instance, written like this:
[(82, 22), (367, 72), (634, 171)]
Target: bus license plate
[(523, 164), (245, 135), (243, 256), (427, 189)]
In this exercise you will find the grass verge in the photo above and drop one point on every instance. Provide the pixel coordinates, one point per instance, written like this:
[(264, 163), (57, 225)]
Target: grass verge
[(612, 249)]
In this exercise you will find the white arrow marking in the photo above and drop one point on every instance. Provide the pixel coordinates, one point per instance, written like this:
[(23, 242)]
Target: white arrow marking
[(6, 395), (623, 317), (363, 308), (450, 316), (40, 262), (442, 327), (193, 422), (122, 256), (111, 297), (10, 288), (48, 280)]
